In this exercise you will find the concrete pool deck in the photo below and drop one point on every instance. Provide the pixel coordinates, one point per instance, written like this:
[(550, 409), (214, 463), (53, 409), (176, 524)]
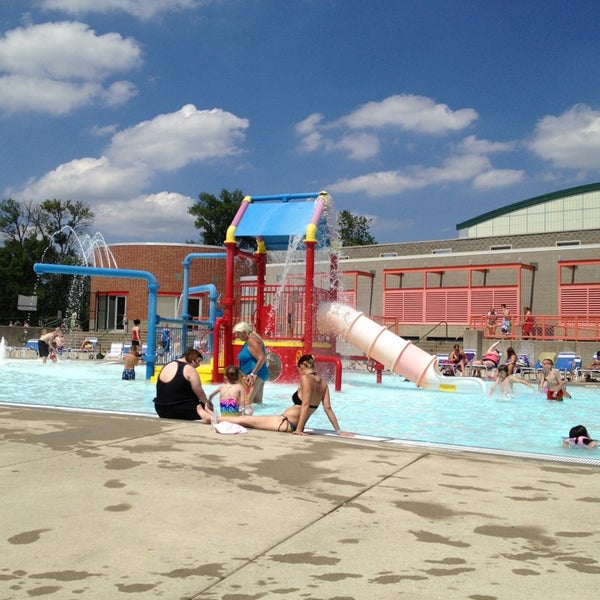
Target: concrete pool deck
[(108, 506)]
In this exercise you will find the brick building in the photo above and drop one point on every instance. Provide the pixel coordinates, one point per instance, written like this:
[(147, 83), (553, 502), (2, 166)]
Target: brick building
[(114, 297)]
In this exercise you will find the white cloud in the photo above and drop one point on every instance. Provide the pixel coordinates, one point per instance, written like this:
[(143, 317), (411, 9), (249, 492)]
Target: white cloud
[(115, 184), (360, 146), (31, 94), (147, 217), (496, 178), (388, 183), (55, 68), (571, 140), (66, 50), (411, 113), (143, 9), (171, 141), (472, 145), (400, 112), (88, 179)]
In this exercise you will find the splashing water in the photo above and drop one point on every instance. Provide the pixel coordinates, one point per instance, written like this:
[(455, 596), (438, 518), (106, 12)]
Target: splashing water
[(93, 251)]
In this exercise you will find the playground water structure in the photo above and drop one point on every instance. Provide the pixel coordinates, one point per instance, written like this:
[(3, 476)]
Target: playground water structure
[(395, 353), (396, 411)]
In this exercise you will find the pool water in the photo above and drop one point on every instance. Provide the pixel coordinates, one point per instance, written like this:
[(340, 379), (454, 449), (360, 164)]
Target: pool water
[(393, 409)]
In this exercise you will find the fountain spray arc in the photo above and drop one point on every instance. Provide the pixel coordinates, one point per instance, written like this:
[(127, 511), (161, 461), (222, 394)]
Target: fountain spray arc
[(42, 268)]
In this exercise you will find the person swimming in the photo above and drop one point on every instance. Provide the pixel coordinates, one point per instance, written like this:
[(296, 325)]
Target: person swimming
[(579, 436)]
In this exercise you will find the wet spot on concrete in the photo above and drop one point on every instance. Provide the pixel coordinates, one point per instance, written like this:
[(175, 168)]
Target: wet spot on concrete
[(228, 473), (207, 570), (27, 537), (525, 572), (583, 568), (349, 541), (448, 572), (535, 535), (118, 507), (465, 487), (528, 498), (573, 534), (304, 558), (361, 507), (480, 597), (559, 483), (387, 579), (257, 488), (588, 499), (427, 510), (434, 538), (121, 464), (135, 588), (527, 488), (114, 483), (151, 448), (45, 590), (337, 481), (64, 575), (337, 576), (448, 561)]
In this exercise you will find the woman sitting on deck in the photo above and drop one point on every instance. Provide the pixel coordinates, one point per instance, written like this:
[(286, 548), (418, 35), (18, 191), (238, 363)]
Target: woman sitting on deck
[(312, 392)]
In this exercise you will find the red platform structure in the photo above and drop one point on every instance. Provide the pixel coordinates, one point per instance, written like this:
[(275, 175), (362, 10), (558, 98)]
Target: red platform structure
[(284, 314)]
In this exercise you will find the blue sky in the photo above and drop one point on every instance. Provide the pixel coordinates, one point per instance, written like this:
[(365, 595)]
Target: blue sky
[(417, 114)]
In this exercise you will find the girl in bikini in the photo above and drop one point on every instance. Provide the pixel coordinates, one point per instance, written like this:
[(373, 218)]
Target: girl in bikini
[(232, 393), (312, 392)]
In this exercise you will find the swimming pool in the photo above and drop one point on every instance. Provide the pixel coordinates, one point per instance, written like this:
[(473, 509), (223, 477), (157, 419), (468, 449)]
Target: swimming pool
[(527, 423)]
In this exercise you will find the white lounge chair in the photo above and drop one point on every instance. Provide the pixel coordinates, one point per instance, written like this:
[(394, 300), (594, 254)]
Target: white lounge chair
[(116, 351)]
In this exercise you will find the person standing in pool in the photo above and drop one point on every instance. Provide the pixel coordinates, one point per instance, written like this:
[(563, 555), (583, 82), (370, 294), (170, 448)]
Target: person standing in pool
[(135, 334), (129, 363), (311, 393), (551, 382), (505, 380), (47, 343), (252, 360)]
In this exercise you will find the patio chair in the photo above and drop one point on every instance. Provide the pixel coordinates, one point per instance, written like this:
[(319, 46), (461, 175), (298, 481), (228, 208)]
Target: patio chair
[(565, 363), (591, 373), (116, 351), (524, 366)]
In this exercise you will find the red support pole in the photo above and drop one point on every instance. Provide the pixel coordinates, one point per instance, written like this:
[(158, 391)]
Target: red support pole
[(309, 296)]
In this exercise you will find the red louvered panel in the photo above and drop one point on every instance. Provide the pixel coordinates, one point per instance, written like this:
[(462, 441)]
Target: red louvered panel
[(436, 307), (413, 307), (573, 301), (457, 306), (393, 303)]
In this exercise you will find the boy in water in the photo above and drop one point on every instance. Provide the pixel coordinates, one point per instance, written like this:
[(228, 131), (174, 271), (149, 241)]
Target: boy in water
[(505, 381), (551, 382)]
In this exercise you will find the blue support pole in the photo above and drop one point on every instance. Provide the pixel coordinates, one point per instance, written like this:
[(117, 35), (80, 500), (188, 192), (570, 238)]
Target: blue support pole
[(187, 261), (153, 287)]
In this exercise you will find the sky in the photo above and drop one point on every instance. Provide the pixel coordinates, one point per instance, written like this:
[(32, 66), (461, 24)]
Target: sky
[(416, 114)]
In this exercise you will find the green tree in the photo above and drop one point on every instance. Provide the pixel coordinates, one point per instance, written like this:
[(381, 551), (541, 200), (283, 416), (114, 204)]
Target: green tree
[(354, 229), (214, 215), (41, 233)]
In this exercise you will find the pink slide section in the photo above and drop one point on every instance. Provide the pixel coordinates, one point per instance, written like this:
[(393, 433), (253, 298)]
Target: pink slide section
[(395, 353)]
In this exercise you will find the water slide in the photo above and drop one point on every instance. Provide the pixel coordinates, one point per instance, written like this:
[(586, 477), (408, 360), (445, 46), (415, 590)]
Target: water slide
[(395, 353)]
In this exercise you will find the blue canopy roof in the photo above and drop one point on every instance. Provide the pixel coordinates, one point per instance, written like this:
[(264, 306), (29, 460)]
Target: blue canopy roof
[(276, 222)]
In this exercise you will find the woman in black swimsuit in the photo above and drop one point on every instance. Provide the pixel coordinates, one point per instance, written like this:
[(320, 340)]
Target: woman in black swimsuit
[(311, 393)]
